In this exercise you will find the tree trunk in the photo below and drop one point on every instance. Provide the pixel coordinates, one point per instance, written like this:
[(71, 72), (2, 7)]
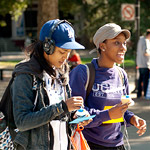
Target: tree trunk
[(47, 10)]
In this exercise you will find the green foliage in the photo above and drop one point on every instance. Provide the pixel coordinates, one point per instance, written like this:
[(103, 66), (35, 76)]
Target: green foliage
[(2, 23), (95, 13), (145, 15), (86, 60), (89, 14), (99, 12), (12, 7), (128, 63)]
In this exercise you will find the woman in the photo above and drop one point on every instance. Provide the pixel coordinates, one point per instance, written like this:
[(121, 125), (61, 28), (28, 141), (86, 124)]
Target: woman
[(41, 102), (104, 100)]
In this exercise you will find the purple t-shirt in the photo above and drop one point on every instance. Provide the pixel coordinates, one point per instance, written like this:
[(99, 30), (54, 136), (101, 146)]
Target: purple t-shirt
[(106, 91)]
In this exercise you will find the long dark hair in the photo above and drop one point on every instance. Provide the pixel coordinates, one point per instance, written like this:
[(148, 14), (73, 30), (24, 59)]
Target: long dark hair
[(36, 50)]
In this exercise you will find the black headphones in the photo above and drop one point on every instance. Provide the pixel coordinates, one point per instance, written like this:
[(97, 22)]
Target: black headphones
[(49, 43)]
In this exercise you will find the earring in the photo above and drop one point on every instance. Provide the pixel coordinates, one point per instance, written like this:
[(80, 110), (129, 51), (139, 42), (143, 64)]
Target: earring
[(103, 50)]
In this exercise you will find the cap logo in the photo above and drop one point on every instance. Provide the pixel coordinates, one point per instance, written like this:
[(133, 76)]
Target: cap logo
[(70, 33)]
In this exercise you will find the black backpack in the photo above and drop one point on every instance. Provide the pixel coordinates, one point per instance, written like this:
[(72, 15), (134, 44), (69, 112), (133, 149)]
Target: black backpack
[(91, 78), (6, 108), (6, 111)]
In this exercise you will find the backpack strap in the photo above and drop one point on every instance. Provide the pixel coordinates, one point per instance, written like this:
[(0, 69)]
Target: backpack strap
[(122, 78), (121, 75), (90, 78)]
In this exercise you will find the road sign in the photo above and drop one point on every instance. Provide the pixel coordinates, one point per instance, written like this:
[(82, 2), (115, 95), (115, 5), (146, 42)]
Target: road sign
[(128, 12)]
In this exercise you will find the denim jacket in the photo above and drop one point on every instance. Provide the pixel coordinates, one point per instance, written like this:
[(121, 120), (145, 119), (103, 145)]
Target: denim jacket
[(32, 120)]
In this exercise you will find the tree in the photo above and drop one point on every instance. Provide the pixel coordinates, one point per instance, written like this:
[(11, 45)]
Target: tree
[(47, 10), (86, 15)]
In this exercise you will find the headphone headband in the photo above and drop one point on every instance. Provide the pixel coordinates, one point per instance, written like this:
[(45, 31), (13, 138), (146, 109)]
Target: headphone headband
[(56, 25)]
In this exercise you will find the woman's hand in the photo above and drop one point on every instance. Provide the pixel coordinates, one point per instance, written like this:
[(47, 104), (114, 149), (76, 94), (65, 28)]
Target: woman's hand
[(138, 123), (86, 122), (74, 103), (118, 110)]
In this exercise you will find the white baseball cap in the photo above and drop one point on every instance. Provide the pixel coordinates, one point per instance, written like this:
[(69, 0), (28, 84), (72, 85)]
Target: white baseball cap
[(109, 31)]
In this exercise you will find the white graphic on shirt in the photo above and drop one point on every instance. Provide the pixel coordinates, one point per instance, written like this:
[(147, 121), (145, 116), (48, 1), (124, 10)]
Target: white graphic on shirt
[(104, 90), (55, 91)]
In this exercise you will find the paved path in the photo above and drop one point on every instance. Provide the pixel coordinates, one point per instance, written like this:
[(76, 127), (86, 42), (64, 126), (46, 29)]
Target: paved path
[(12, 56), (141, 108)]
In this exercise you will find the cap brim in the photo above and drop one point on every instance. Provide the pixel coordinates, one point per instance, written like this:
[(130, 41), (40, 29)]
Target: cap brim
[(127, 33), (124, 31), (70, 45)]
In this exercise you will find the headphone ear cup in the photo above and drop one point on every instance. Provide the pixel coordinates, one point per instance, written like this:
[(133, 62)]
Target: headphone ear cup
[(49, 47), (52, 47)]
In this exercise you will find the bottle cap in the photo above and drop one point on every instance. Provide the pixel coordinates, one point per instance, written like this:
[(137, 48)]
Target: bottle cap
[(127, 96), (80, 110)]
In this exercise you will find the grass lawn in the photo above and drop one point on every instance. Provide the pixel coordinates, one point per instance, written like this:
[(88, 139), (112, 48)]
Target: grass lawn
[(127, 62), (8, 63)]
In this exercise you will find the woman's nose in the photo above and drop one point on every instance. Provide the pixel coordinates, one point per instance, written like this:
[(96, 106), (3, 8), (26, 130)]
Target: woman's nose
[(124, 47)]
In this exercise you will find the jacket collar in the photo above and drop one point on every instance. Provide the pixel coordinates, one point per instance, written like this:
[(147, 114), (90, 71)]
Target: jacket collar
[(31, 66)]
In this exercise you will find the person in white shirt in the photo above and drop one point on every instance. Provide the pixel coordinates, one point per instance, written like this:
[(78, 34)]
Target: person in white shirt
[(143, 63)]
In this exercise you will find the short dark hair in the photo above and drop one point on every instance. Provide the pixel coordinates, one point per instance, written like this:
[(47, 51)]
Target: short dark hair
[(99, 50), (147, 31)]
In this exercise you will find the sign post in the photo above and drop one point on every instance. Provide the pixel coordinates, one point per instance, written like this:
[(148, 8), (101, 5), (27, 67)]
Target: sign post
[(137, 28), (131, 12), (128, 12)]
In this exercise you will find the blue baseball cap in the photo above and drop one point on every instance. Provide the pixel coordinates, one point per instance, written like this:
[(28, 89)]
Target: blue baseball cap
[(62, 34)]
